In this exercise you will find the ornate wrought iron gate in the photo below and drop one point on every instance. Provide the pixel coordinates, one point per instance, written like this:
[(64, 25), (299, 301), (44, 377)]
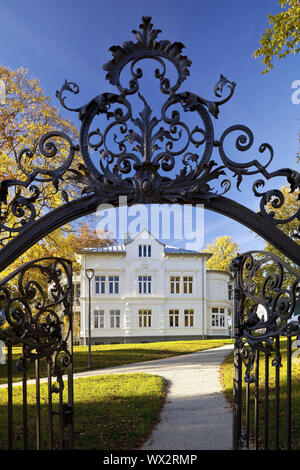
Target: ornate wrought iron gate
[(36, 307), (266, 296), (148, 159)]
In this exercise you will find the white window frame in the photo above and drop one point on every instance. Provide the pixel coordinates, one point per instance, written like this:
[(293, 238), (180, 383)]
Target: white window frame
[(113, 284), (189, 318), (144, 251), (145, 318), (100, 282), (187, 283), (98, 319), (173, 318), (115, 318), (218, 317), (174, 285), (144, 284)]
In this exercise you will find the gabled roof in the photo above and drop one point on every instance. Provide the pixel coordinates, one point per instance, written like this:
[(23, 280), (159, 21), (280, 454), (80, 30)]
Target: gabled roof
[(140, 236)]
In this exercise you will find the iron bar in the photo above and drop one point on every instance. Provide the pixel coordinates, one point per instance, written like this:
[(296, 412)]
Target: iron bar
[(50, 407), (277, 392), (25, 408), (10, 395), (266, 417), (89, 272), (61, 419), (38, 404), (237, 397), (70, 380), (247, 417), (289, 391), (256, 401)]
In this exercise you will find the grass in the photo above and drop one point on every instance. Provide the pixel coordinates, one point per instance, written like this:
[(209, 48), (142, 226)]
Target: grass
[(118, 354), (112, 412), (227, 382)]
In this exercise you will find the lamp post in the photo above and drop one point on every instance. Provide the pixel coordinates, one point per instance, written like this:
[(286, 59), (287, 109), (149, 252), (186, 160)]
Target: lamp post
[(89, 274)]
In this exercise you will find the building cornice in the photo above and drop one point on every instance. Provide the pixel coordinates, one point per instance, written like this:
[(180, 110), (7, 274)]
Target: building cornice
[(219, 271), (189, 255)]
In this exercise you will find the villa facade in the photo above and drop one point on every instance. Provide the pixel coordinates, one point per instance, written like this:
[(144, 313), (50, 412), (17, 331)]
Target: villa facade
[(145, 291)]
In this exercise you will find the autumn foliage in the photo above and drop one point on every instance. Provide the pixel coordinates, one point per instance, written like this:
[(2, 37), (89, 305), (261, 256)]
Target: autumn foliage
[(26, 115), (223, 250), (283, 36)]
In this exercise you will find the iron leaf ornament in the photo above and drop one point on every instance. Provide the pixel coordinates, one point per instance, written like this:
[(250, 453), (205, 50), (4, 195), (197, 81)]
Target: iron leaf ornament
[(147, 46)]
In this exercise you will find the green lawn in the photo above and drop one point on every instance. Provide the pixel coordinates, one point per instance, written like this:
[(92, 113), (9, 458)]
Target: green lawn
[(227, 381), (112, 412), (119, 354)]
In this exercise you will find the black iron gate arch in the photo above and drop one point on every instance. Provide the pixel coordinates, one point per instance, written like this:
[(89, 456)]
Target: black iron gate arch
[(128, 150)]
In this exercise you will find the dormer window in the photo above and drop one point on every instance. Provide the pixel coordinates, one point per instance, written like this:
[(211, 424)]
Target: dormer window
[(144, 251)]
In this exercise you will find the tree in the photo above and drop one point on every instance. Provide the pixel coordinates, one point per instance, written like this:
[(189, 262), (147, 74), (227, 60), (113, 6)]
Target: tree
[(64, 245), (283, 36), (87, 237), (291, 229), (223, 250)]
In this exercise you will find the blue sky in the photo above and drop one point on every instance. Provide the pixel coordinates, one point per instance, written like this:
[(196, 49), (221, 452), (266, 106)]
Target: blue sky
[(70, 39)]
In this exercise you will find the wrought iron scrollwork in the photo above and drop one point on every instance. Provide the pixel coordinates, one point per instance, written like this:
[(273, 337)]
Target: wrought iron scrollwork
[(148, 148), (145, 165), (18, 197), (36, 307), (128, 149), (267, 291)]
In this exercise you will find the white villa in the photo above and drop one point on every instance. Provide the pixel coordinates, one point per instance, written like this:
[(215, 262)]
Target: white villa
[(145, 291)]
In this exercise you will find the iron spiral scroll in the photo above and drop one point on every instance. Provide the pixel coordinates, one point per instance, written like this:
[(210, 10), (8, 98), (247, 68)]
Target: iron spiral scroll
[(163, 158)]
